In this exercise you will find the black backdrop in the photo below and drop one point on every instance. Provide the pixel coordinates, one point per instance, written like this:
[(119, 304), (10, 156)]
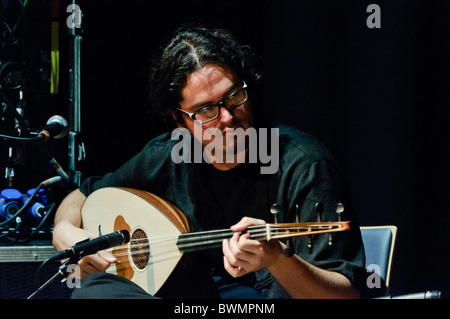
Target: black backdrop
[(378, 98)]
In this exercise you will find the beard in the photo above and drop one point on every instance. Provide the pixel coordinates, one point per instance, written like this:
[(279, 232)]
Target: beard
[(230, 147)]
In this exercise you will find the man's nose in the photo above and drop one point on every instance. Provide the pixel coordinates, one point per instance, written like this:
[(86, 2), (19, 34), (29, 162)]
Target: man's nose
[(225, 115)]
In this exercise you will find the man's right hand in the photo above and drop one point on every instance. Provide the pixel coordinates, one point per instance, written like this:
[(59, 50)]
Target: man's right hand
[(66, 235), (67, 232)]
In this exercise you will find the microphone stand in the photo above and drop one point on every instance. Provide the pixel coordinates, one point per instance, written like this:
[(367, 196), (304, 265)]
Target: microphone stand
[(61, 273)]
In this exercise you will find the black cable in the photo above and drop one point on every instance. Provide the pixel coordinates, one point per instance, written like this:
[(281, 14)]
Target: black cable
[(12, 110), (17, 138), (37, 229), (36, 275), (19, 223)]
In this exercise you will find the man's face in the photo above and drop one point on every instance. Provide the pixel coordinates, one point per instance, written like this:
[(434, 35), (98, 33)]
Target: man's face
[(210, 85)]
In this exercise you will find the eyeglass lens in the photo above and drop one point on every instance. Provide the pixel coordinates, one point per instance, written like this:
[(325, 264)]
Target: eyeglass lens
[(232, 102)]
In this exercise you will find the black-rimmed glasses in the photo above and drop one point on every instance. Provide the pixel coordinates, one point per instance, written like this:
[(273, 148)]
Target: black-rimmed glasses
[(211, 112)]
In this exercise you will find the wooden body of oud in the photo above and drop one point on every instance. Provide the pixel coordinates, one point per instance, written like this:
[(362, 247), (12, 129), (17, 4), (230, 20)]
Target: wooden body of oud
[(145, 216)]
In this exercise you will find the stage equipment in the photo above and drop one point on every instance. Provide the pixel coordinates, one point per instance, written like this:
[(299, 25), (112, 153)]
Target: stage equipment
[(78, 251), (56, 127), (76, 147), (20, 213), (10, 203)]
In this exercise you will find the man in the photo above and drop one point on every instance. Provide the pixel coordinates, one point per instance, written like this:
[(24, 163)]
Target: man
[(206, 82)]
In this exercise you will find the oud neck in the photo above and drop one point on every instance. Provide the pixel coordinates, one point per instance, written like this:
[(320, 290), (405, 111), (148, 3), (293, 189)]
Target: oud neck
[(190, 242)]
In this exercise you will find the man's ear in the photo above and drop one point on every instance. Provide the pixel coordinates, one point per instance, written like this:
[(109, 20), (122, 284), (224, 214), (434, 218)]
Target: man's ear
[(177, 118)]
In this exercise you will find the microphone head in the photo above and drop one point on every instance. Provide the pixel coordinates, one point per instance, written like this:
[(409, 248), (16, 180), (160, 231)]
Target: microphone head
[(126, 236), (59, 121)]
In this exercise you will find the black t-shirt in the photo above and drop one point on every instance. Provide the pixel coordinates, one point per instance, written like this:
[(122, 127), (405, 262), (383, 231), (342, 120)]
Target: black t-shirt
[(213, 199)]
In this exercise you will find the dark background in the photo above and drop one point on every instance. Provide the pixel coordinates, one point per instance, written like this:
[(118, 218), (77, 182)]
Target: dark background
[(378, 98)]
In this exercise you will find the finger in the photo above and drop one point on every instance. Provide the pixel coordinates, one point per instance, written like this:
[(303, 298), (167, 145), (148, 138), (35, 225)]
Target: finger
[(242, 244), (234, 242), (245, 222), (248, 245), (232, 270), (82, 269), (108, 257), (86, 270), (237, 246), (97, 262), (231, 257), (227, 253)]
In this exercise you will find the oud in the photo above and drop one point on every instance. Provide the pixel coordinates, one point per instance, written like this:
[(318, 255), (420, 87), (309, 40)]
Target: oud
[(160, 233)]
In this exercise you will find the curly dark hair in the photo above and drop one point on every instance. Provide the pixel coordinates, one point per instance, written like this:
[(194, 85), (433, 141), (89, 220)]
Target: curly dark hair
[(189, 50)]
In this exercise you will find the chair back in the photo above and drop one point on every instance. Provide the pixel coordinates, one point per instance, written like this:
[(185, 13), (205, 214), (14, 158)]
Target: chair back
[(379, 245)]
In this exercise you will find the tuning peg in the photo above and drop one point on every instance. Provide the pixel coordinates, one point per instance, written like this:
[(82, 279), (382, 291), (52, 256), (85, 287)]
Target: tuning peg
[(310, 244), (330, 239), (319, 209), (275, 209), (289, 251), (339, 210)]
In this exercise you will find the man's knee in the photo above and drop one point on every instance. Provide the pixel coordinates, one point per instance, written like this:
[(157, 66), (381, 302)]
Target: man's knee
[(108, 286)]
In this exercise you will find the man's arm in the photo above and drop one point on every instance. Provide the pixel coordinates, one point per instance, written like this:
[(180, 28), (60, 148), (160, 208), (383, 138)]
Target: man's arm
[(68, 213), (299, 278), (313, 282), (68, 231)]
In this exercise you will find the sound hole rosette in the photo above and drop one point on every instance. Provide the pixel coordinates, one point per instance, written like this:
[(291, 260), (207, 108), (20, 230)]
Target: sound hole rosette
[(139, 249)]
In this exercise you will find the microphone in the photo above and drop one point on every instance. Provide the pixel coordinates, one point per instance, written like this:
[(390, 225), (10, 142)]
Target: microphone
[(91, 246), (435, 294), (56, 127)]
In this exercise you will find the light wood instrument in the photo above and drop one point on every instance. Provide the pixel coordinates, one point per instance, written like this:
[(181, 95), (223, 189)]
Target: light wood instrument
[(160, 233)]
